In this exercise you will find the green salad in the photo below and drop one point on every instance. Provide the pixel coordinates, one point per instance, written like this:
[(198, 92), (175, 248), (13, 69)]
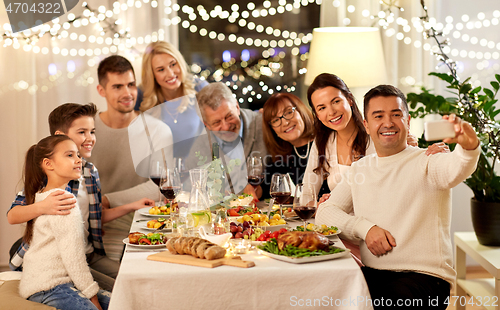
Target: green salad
[(152, 239), (292, 251)]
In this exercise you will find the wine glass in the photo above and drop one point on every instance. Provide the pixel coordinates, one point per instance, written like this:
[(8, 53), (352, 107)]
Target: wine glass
[(280, 189), (255, 171), (181, 169), (304, 202), (170, 186), (157, 171)]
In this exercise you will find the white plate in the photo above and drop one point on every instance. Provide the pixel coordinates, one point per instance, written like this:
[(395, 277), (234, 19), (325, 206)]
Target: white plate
[(145, 246), (236, 218), (331, 235), (302, 260), (256, 243), (145, 226), (145, 212)]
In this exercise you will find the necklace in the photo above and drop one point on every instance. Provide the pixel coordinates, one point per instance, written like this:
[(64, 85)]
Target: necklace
[(173, 116), (307, 152)]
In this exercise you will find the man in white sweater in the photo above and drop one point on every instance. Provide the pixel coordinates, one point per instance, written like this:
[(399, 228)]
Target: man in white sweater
[(401, 199)]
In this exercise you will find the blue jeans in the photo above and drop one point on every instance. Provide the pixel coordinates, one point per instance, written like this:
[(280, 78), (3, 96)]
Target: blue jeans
[(67, 297)]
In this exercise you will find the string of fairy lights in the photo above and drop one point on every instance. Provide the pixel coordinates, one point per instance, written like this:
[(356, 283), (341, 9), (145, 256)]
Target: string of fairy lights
[(112, 37)]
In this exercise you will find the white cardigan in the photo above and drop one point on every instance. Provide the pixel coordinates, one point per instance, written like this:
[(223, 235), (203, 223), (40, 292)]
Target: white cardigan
[(336, 170), (57, 254)]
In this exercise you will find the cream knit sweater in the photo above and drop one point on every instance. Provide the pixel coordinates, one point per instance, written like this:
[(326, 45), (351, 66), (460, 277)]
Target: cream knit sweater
[(56, 254), (408, 194)]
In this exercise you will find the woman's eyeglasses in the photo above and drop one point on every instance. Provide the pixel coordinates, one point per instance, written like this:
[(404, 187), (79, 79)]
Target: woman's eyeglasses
[(288, 115)]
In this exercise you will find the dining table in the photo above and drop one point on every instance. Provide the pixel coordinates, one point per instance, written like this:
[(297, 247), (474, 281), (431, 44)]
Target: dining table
[(270, 284)]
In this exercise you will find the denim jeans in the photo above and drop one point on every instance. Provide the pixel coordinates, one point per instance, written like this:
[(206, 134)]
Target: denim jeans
[(67, 297)]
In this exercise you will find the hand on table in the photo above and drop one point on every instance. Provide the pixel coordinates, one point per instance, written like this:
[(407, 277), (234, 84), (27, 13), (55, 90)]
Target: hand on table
[(379, 241), (143, 203), (58, 203), (255, 192), (464, 133)]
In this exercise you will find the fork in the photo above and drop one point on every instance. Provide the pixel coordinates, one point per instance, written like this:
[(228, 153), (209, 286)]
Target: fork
[(159, 228)]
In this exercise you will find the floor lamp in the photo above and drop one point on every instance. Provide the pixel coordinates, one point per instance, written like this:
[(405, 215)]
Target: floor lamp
[(354, 54)]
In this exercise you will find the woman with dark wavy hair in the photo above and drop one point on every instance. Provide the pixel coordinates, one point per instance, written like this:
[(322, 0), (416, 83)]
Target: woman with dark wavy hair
[(341, 137), (288, 130)]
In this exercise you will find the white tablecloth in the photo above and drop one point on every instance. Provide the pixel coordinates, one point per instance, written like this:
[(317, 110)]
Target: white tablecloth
[(271, 284)]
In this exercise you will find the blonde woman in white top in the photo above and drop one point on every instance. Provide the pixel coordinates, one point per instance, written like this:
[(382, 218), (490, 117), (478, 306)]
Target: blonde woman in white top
[(170, 94)]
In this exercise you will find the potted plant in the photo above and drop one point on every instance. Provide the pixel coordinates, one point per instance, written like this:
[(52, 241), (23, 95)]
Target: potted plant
[(476, 106)]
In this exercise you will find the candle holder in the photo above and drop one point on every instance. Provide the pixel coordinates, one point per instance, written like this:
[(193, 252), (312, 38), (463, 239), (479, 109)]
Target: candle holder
[(240, 246)]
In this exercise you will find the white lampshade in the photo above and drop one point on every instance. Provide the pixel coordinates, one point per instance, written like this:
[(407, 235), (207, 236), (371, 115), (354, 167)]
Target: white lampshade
[(352, 53)]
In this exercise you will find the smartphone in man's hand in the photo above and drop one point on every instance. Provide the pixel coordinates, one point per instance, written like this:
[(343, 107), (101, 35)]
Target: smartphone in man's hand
[(438, 130)]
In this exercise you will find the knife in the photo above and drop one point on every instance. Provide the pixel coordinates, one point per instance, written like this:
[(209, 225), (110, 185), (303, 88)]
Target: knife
[(160, 228)]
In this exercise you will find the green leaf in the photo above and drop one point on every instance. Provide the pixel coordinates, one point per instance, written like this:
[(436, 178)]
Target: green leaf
[(495, 85), (465, 88), (476, 90), (443, 76), (489, 93), (488, 105), (497, 76)]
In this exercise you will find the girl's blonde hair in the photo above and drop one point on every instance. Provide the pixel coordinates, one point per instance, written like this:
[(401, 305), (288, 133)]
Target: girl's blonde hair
[(152, 90)]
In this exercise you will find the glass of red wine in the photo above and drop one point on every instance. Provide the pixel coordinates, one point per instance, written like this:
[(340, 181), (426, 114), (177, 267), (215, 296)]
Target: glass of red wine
[(170, 186), (255, 171), (157, 172), (281, 189), (304, 202)]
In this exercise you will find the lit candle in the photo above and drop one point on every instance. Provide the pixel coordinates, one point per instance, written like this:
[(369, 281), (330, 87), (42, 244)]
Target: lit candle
[(241, 247)]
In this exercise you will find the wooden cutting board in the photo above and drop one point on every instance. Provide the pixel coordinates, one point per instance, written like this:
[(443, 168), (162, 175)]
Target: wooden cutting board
[(235, 261)]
